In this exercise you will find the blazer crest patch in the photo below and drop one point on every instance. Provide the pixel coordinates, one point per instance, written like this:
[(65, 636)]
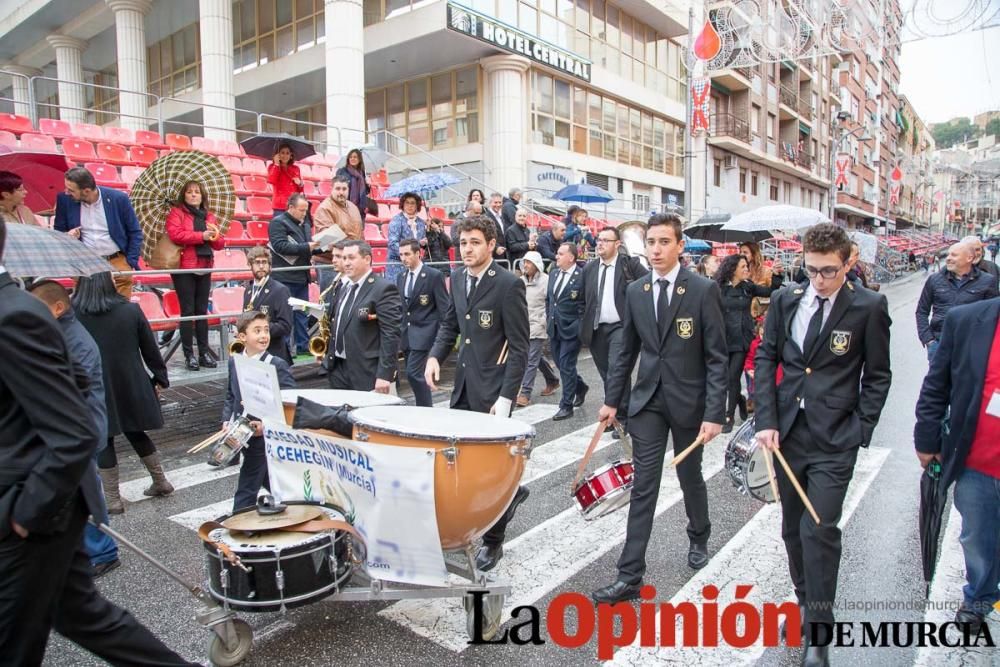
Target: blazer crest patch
[(573, 294), (485, 319), (840, 342), (424, 299), (685, 327)]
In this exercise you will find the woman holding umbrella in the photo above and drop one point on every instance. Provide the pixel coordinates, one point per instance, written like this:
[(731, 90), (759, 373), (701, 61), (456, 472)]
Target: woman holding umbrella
[(738, 293), (284, 177), (193, 227), (12, 194), (404, 225), (355, 171)]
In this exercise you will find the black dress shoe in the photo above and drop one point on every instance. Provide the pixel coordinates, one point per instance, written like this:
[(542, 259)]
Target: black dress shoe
[(816, 656), (191, 363), (802, 626), (102, 569), (206, 360), (968, 617), (697, 556), (564, 413), (488, 556), (616, 592), (581, 394)]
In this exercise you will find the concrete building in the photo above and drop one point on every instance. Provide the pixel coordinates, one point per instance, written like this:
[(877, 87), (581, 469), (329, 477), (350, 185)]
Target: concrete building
[(967, 187), (916, 189)]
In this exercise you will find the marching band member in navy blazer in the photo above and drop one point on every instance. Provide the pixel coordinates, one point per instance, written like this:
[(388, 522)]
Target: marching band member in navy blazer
[(564, 305), (425, 304)]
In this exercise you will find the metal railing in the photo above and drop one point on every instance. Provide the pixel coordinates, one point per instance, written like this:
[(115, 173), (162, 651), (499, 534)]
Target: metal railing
[(728, 125), (789, 98)]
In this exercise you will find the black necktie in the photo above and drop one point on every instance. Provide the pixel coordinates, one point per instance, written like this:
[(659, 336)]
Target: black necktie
[(600, 294), (409, 286), (473, 281), (815, 324), (345, 314), (662, 305)]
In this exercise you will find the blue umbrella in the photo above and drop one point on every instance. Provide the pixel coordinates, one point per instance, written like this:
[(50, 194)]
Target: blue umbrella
[(421, 184), (584, 193), (695, 245)]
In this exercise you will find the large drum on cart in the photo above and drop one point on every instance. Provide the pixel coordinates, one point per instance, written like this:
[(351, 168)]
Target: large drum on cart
[(480, 459), (334, 398)]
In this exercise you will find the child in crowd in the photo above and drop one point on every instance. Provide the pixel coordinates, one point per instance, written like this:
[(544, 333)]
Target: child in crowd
[(748, 363), (253, 330)]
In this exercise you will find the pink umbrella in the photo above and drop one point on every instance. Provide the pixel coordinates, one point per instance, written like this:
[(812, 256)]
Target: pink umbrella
[(42, 174)]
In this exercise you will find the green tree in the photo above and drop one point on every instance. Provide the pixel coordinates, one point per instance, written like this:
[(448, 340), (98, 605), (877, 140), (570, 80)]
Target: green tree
[(953, 132), (993, 127)]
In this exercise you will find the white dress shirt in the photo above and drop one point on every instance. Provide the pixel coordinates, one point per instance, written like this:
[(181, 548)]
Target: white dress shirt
[(343, 305), (807, 308), (94, 228), (416, 274), (672, 277), (608, 311)]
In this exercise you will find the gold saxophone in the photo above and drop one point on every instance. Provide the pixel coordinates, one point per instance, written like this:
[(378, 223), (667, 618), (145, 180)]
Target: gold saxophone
[(318, 343)]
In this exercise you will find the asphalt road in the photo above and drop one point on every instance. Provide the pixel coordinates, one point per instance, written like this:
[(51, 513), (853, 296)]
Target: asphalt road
[(551, 550)]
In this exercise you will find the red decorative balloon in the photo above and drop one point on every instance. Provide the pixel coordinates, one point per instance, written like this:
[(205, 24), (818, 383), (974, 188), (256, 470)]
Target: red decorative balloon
[(897, 173), (708, 43)]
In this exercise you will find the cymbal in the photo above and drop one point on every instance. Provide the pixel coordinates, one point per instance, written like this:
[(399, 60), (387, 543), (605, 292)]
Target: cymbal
[(252, 521)]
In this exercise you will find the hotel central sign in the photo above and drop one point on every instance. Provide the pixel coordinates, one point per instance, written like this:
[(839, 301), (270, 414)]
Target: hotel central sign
[(484, 28)]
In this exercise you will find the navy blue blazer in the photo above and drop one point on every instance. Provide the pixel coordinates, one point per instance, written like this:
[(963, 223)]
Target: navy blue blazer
[(123, 226), (955, 379), (565, 311), (424, 310), (234, 399)]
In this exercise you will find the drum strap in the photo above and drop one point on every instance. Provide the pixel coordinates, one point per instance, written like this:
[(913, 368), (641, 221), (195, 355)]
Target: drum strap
[(586, 457), (203, 532)]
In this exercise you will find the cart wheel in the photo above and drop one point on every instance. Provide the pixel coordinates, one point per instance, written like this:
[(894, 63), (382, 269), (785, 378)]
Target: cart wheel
[(222, 656), (492, 612)]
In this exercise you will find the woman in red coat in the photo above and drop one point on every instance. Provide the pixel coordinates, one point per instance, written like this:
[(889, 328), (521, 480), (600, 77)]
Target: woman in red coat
[(191, 226), (284, 177)]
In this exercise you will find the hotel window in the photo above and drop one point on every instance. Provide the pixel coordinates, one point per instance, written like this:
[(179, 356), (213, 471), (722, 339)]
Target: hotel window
[(265, 30), (438, 111), (308, 122), (172, 64)]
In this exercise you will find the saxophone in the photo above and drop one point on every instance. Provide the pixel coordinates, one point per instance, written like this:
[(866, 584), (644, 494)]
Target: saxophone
[(318, 343)]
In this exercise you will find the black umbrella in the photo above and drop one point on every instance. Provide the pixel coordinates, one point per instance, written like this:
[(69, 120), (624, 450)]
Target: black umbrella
[(712, 231), (933, 496), (267, 145)]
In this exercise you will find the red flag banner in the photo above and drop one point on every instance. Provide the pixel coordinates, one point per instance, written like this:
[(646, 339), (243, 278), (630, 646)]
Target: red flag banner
[(700, 89), (843, 166)]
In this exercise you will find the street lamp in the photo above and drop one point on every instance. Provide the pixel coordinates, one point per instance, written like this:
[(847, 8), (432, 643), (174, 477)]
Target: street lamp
[(835, 148)]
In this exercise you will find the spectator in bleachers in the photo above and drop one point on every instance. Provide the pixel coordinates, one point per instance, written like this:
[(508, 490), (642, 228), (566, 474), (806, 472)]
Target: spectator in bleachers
[(128, 348), (357, 181), (549, 242), (12, 194), (475, 194), (438, 244), (509, 209), (519, 238), (494, 213), (578, 233), (284, 177), (291, 244), (194, 228), (404, 225), (104, 220), (340, 210)]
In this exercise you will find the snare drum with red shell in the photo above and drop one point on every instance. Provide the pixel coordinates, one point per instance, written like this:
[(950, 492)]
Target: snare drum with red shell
[(334, 398), (478, 466), (606, 490)]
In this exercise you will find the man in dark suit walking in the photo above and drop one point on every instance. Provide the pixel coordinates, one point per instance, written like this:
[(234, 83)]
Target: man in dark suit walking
[(604, 282), (564, 306), (673, 323), (489, 314), (425, 304), (290, 241), (364, 326), (47, 488), (271, 298), (965, 377), (831, 338)]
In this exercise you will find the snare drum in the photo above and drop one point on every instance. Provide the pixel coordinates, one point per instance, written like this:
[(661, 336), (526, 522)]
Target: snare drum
[(746, 466), (606, 490), (478, 467), (334, 398), (284, 569)]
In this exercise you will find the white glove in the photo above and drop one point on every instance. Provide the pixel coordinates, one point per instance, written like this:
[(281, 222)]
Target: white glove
[(502, 407)]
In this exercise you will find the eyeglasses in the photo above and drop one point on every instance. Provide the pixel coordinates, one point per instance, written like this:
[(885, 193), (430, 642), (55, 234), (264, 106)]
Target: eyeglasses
[(826, 271), (600, 240)]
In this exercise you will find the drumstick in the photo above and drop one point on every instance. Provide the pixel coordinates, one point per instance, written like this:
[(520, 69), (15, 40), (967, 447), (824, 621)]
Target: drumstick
[(206, 442), (690, 448), (770, 474), (798, 487), (503, 353)]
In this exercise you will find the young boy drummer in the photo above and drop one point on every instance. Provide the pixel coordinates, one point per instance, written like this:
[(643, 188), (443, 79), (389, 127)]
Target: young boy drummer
[(253, 330)]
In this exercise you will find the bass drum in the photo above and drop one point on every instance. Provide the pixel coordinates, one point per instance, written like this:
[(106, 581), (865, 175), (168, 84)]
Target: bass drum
[(478, 466), (334, 398), (284, 569), (746, 466)]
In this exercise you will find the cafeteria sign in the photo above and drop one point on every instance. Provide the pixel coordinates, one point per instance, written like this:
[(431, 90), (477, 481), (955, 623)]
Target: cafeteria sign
[(486, 29)]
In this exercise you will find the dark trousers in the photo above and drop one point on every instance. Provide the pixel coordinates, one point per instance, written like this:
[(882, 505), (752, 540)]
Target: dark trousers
[(192, 294), (495, 536), (336, 373), (564, 353), (253, 474), (300, 318), (140, 442), (734, 383), (415, 361), (813, 550), (605, 346), (48, 584), (649, 429)]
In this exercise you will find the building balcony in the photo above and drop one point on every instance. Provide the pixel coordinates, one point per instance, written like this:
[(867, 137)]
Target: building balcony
[(805, 110), (728, 125), (733, 79), (788, 103)]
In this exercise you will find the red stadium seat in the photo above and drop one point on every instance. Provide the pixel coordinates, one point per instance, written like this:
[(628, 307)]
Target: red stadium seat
[(37, 142), (59, 129), (171, 304), (152, 309), (254, 166), (438, 212), (233, 259), (10, 141), (260, 207), (322, 173), (204, 145), (105, 175), (113, 154), (88, 131), (258, 185), (257, 230), (16, 124), (79, 150), (232, 164), (373, 233), (384, 214), (379, 258), (380, 178), (149, 138), (227, 300), (325, 187), (309, 189), (238, 186), (227, 147), (240, 210), (130, 174), (178, 142), (306, 171), (142, 155), (235, 230), (120, 135)]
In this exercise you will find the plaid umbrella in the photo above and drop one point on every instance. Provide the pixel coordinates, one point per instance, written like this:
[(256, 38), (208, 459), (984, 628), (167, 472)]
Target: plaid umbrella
[(158, 189), (36, 251)]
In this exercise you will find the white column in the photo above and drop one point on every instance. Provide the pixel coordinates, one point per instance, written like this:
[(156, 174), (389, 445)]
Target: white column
[(345, 74), (130, 30), (21, 85), (69, 71), (217, 68), (505, 131)]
